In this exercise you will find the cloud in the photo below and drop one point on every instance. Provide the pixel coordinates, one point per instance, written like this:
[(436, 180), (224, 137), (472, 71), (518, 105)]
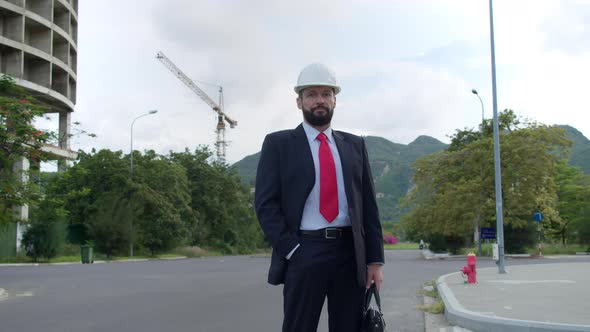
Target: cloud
[(408, 100), (552, 90), (567, 29), (255, 49), (227, 44)]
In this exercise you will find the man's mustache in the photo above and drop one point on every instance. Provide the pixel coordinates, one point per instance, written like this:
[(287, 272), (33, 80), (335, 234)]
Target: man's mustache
[(320, 107)]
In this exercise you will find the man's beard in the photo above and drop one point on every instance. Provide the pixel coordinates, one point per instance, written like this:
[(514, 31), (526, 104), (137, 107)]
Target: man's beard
[(318, 120)]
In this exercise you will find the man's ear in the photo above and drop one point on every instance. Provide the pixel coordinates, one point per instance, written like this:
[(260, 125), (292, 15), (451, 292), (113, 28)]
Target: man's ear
[(299, 103)]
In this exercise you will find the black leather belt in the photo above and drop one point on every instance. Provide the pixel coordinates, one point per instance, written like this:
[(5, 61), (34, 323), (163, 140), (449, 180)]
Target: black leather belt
[(328, 233)]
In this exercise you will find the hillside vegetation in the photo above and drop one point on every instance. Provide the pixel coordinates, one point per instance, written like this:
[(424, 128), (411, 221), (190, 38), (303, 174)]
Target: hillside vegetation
[(391, 164)]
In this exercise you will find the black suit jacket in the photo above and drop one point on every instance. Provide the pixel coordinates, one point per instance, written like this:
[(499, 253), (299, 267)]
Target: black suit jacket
[(284, 179)]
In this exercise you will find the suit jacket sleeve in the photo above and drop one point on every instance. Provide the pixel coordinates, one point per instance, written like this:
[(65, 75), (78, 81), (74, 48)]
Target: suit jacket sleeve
[(268, 198), (371, 223)]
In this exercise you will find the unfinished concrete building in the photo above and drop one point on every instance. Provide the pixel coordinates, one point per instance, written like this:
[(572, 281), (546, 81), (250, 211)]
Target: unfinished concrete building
[(38, 48)]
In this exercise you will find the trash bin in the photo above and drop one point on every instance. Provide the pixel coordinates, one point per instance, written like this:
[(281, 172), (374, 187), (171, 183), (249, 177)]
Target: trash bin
[(87, 253)]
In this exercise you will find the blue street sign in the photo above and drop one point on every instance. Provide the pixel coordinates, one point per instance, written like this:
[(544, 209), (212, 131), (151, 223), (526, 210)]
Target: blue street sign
[(538, 217), (488, 233)]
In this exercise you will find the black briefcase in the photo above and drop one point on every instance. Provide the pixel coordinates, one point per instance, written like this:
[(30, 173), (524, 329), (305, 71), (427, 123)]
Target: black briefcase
[(372, 317)]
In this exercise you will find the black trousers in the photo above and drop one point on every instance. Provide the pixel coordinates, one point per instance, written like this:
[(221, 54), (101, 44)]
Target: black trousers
[(322, 268)]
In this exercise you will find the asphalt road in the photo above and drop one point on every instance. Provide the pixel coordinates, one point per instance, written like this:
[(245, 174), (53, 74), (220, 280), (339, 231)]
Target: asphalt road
[(204, 295)]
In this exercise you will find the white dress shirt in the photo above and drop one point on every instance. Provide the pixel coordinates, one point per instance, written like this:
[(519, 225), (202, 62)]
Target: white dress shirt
[(312, 219)]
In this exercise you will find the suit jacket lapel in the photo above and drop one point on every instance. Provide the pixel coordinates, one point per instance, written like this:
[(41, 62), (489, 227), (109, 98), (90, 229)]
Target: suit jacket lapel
[(303, 152), (345, 158)]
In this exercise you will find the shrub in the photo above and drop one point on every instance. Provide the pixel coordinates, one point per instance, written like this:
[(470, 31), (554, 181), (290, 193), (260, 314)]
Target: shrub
[(437, 243), (46, 234), (389, 239), (44, 239), (455, 243), (517, 240), (441, 243)]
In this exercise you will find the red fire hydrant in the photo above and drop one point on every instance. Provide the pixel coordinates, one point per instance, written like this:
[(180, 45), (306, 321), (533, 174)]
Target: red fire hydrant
[(469, 269)]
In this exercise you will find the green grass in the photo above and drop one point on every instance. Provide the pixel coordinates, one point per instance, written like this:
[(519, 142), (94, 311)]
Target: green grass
[(195, 252), (486, 250), (190, 252), (437, 307), (401, 246), (558, 249), (433, 293), (548, 249), (19, 259), (170, 255), (63, 259), (24, 260)]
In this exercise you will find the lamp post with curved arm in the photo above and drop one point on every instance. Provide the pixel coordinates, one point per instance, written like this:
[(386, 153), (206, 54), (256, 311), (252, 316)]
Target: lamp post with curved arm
[(481, 102), (478, 221), (131, 175)]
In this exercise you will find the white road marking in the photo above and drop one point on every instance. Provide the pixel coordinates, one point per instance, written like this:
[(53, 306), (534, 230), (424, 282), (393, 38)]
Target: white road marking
[(3, 294)]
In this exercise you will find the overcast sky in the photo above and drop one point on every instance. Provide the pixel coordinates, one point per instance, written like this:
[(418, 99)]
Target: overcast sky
[(406, 67)]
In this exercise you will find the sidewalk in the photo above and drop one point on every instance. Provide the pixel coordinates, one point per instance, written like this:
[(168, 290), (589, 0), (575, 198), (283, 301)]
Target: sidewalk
[(534, 297)]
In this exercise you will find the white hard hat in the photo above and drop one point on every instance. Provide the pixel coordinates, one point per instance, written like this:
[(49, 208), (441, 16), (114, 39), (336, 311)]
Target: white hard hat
[(317, 74)]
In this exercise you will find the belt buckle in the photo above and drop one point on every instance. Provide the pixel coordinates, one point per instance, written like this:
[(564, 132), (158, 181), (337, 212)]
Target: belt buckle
[(327, 232)]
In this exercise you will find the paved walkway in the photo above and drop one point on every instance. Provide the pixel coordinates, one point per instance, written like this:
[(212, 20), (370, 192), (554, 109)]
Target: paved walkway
[(535, 297)]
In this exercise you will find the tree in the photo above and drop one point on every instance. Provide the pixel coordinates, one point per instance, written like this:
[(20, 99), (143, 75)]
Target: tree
[(46, 234), (221, 202), (18, 139), (109, 208), (94, 174), (108, 222), (161, 203), (573, 205), (454, 187), (582, 226), (172, 200)]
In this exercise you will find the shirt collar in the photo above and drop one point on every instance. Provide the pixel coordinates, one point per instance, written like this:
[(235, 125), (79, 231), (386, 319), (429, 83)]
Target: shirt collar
[(313, 133)]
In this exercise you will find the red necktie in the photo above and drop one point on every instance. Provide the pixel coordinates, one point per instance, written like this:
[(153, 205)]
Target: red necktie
[(328, 186)]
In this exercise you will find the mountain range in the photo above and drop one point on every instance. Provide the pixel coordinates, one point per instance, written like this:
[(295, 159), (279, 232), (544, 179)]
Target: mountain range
[(391, 164)]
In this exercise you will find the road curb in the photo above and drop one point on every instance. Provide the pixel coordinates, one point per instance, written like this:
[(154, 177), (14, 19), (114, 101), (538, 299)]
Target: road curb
[(428, 255), (456, 314)]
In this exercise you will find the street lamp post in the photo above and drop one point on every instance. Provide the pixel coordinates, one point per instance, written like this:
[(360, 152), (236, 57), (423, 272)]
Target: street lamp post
[(478, 222), (481, 102), (498, 176), (131, 175)]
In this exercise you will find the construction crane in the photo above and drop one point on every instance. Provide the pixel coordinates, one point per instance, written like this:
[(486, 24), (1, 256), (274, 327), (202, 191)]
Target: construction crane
[(220, 143)]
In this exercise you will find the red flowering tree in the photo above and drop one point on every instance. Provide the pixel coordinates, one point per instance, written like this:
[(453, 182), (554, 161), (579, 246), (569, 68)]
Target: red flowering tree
[(18, 139)]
